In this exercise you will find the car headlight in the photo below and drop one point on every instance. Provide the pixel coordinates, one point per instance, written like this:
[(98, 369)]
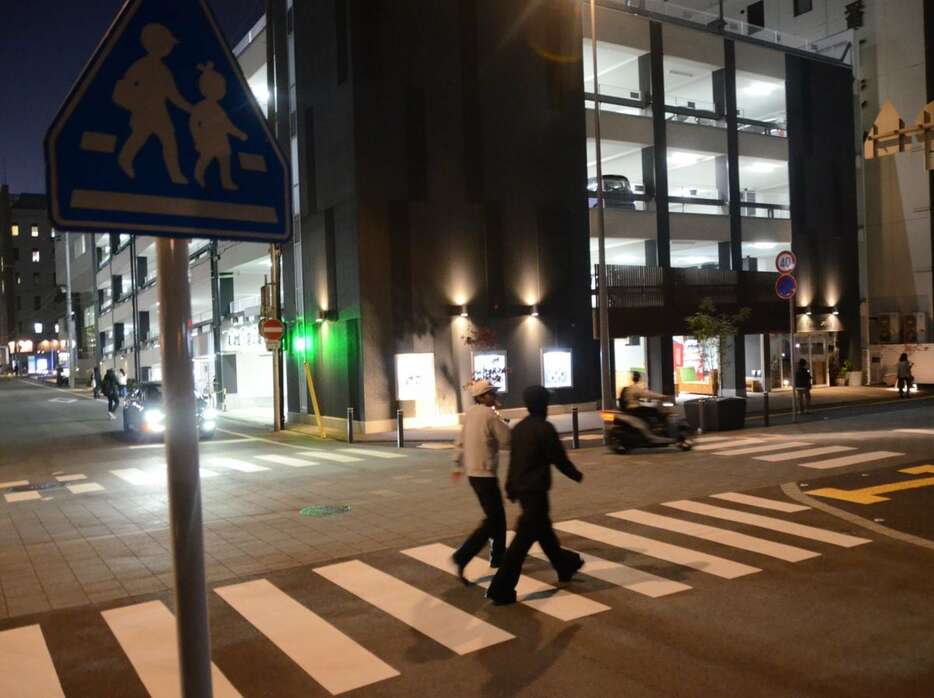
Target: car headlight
[(209, 414), (154, 416)]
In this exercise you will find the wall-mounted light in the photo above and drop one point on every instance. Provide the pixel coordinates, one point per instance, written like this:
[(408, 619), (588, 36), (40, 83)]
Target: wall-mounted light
[(324, 315), (463, 312), (836, 311), (808, 311), (534, 312)]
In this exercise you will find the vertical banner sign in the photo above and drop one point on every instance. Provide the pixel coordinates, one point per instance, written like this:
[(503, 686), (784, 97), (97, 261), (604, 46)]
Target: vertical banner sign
[(162, 136)]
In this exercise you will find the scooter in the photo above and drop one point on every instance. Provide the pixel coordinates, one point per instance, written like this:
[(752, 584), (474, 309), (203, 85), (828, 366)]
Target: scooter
[(623, 431)]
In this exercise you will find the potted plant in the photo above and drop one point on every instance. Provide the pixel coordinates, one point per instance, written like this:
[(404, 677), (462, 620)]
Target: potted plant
[(844, 372), (712, 330)]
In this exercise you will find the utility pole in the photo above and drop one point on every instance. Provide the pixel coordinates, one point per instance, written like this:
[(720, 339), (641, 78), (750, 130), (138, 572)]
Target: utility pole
[(602, 294), (216, 326), (134, 281)]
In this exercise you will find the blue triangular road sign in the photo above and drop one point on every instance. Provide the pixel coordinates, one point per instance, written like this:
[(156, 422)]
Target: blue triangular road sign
[(162, 136)]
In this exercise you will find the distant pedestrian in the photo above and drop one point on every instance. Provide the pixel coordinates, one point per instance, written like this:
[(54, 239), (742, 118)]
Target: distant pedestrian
[(96, 382), (535, 448), (803, 386), (121, 382), (482, 436), (905, 379), (111, 388)]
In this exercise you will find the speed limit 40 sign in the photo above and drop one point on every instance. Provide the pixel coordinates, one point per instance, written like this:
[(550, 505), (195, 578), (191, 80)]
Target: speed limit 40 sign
[(785, 262)]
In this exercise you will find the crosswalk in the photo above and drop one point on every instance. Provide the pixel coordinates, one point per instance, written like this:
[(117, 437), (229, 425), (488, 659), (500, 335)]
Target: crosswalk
[(806, 454), (311, 636), (213, 467)]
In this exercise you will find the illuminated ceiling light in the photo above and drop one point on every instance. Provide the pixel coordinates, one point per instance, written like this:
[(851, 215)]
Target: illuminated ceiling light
[(758, 88), (762, 167), (764, 245), (679, 158)]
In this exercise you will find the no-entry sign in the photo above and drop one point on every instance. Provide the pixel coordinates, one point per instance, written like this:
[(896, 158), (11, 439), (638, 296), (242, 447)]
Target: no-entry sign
[(271, 330)]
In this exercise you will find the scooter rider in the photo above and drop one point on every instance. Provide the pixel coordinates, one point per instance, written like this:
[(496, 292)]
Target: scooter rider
[(630, 402)]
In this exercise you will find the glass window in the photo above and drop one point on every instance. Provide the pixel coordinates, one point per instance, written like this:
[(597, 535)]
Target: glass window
[(57, 328), (19, 279), (35, 255), (52, 233), (694, 77), (14, 231), (35, 279), (36, 302), (37, 327), (34, 231), (802, 6)]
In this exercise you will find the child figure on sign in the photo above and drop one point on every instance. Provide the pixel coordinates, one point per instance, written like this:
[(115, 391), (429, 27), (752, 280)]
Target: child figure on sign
[(210, 127)]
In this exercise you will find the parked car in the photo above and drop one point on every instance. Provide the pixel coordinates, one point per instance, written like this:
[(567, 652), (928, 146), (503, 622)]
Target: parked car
[(617, 192), (144, 412)]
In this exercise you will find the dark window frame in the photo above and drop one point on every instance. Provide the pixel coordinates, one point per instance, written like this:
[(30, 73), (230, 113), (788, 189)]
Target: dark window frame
[(802, 7)]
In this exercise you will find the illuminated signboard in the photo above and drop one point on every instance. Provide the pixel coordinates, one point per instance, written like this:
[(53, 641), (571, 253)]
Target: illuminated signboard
[(556, 368), (415, 377), (491, 366)]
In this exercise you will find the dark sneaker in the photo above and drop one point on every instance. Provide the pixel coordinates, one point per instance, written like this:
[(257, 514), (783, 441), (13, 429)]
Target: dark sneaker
[(495, 562), (460, 571), (502, 599), (568, 574)]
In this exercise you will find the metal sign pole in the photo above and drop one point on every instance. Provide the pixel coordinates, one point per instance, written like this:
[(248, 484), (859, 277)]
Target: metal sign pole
[(277, 420), (72, 353), (791, 355), (184, 480)]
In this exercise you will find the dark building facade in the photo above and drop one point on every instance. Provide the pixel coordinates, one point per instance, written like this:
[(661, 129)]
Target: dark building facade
[(31, 301), (442, 155)]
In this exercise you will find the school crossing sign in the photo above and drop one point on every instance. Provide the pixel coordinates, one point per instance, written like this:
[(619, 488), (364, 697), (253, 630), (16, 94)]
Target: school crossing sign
[(161, 135)]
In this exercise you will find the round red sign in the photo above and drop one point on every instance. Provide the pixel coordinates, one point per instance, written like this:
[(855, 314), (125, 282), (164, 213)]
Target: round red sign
[(271, 330), (786, 286), (786, 261)]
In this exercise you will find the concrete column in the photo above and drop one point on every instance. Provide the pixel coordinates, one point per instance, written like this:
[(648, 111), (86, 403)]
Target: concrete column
[(733, 367), (651, 253), (661, 364), (724, 253)]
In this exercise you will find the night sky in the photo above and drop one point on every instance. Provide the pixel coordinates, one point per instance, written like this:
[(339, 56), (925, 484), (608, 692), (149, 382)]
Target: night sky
[(44, 44)]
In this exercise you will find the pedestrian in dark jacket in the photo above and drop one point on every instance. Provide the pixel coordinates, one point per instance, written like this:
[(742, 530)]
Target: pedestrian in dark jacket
[(803, 386), (904, 378), (96, 382), (535, 448), (109, 385)]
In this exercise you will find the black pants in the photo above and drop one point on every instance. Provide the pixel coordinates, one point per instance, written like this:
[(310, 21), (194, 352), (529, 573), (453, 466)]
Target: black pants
[(113, 402), (493, 526), (534, 526)]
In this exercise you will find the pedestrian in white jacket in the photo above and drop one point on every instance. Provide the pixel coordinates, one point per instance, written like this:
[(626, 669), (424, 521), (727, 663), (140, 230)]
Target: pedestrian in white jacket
[(482, 436)]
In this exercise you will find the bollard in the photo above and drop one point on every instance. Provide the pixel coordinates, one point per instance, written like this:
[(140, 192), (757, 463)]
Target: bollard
[(350, 425), (765, 408), (575, 429), (700, 415), (400, 430)]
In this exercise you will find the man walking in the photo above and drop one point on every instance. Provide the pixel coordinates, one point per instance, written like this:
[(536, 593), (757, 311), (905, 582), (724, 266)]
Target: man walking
[(482, 436), (535, 448), (111, 393)]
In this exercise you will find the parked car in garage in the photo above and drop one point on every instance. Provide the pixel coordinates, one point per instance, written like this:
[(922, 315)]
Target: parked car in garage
[(617, 192)]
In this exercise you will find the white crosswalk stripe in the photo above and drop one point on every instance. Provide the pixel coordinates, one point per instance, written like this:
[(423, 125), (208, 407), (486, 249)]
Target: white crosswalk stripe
[(26, 669), (330, 455), (372, 453), (927, 432), (807, 453), (769, 522), (780, 551), (731, 444), (135, 476), (208, 473), (146, 633), (711, 564), (70, 478), (850, 460), (241, 466), (621, 575), (84, 488), (439, 620), (286, 460), (13, 483), (560, 604), (762, 448), (326, 654), (761, 502), (13, 497)]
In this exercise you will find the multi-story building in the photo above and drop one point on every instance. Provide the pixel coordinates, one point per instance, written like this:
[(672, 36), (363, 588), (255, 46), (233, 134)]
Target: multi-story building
[(74, 253), (889, 44), (444, 158), (31, 302)]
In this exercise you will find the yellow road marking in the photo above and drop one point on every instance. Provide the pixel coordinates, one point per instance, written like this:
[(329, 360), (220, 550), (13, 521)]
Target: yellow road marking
[(872, 495)]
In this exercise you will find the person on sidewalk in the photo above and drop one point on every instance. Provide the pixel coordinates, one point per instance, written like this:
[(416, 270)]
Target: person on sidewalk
[(535, 448), (121, 382), (482, 436), (905, 378), (803, 386), (109, 386), (96, 382)]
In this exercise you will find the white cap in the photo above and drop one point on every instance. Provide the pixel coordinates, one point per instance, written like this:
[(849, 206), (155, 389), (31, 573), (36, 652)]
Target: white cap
[(481, 387)]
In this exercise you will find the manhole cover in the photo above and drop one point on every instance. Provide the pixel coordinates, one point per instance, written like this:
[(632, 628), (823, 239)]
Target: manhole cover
[(320, 510)]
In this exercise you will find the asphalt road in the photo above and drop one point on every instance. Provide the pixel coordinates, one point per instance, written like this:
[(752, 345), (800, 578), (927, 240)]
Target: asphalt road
[(686, 594)]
